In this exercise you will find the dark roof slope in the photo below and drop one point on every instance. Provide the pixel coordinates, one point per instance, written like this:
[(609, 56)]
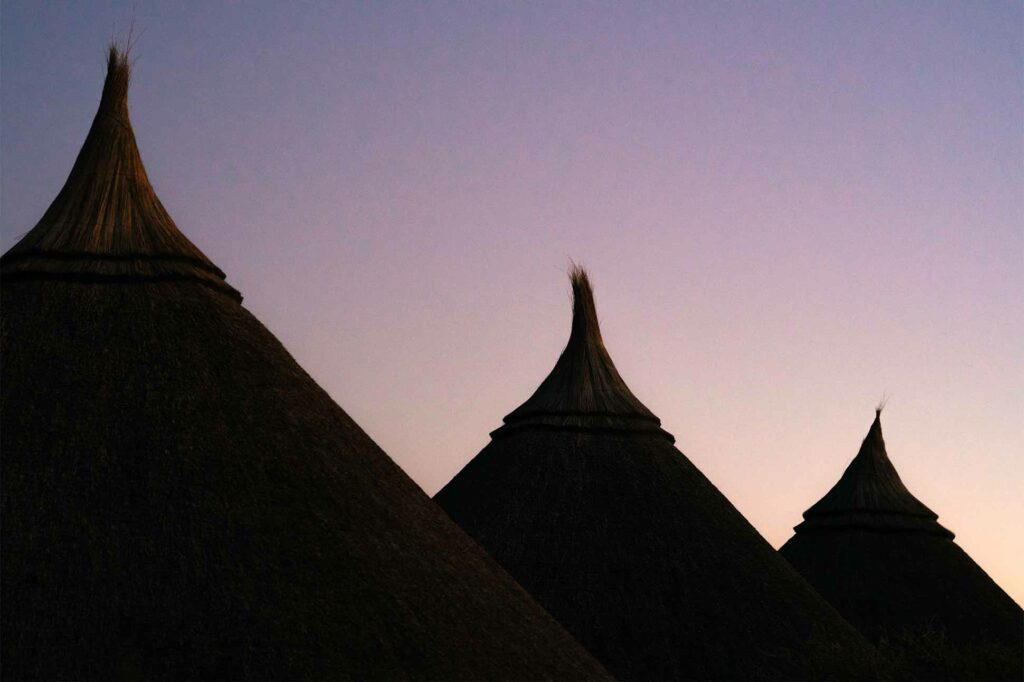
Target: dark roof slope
[(586, 502), (180, 500), (879, 556)]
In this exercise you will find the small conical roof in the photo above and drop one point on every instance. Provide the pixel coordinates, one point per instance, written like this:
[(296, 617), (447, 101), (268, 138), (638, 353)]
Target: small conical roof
[(584, 389), (180, 500), (871, 494), (586, 502), (880, 557), (107, 223)]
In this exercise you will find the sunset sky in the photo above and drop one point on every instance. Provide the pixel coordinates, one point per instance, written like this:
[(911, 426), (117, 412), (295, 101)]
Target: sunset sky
[(788, 210)]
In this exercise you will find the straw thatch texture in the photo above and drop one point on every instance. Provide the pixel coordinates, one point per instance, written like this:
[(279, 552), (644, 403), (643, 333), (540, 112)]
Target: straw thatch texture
[(180, 500), (870, 495), (623, 539), (882, 559), (107, 223)]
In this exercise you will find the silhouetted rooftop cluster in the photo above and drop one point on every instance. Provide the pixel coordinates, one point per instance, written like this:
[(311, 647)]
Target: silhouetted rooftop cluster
[(180, 500)]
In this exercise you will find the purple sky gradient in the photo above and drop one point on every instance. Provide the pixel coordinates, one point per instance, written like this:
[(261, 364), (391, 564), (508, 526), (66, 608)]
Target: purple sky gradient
[(787, 210)]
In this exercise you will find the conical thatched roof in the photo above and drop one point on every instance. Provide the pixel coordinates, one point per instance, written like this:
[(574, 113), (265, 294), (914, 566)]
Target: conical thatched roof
[(180, 500), (585, 501), (871, 495), (584, 389), (107, 223), (881, 558)]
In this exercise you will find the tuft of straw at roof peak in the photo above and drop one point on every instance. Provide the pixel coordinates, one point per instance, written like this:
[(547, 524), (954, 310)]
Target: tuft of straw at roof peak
[(114, 100), (585, 326), (874, 445)]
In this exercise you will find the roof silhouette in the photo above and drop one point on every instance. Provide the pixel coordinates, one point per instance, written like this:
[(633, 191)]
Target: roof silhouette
[(882, 559), (180, 500), (870, 494), (583, 498), (107, 223), (584, 387)]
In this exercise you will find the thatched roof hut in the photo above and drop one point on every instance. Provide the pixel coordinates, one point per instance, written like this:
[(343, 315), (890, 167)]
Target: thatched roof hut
[(582, 496), (883, 560), (180, 500)]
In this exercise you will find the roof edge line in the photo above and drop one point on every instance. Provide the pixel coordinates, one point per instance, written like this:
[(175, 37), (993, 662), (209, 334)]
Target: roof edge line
[(99, 278), (580, 413), (941, 531), (507, 429), (869, 510), (35, 252)]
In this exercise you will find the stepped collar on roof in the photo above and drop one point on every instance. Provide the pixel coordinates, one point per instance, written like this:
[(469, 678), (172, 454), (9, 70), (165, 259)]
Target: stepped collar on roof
[(107, 224), (871, 496), (584, 390)]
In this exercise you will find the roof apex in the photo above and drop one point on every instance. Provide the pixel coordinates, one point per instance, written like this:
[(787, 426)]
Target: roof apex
[(870, 494), (107, 223), (584, 385)]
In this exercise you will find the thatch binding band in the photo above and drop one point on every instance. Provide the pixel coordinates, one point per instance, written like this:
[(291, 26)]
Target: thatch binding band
[(508, 429), (526, 414), (96, 278), (875, 528), (25, 254)]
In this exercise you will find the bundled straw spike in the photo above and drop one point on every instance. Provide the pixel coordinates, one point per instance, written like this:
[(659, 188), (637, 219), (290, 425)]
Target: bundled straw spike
[(585, 325), (114, 99)]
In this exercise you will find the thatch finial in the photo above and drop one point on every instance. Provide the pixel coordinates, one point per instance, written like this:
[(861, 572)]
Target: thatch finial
[(107, 222), (584, 385), (585, 326), (114, 100), (871, 494)]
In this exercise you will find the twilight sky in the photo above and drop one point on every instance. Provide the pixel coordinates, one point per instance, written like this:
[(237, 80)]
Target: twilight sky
[(787, 211)]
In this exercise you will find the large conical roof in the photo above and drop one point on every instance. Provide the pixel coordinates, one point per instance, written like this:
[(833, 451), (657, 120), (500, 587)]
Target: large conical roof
[(180, 500), (881, 558), (585, 501)]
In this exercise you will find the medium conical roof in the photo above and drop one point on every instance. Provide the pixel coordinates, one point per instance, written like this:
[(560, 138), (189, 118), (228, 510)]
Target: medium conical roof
[(180, 500), (871, 494), (883, 561), (585, 501), (584, 389)]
